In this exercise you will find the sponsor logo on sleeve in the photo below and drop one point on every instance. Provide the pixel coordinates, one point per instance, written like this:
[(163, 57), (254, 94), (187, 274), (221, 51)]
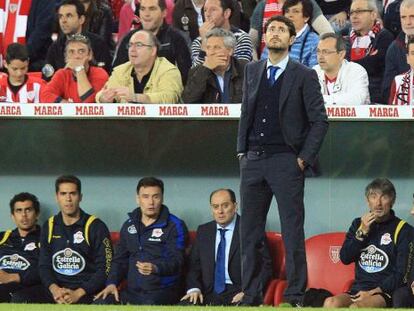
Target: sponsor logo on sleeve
[(373, 259), (68, 262), (14, 262)]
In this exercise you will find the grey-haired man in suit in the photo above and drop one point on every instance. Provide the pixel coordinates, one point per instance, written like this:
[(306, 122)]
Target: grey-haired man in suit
[(282, 125)]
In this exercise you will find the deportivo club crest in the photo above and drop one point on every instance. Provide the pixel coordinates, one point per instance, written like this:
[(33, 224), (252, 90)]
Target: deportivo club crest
[(334, 253), (157, 232)]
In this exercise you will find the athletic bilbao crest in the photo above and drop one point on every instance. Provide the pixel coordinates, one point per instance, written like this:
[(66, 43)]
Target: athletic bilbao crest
[(13, 7), (68, 262), (14, 262), (334, 253)]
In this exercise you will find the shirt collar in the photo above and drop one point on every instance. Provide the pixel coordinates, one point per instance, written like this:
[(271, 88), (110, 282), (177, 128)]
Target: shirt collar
[(300, 32), (282, 64), (230, 226)]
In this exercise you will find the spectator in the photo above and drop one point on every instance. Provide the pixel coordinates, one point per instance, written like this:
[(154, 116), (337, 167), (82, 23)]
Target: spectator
[(219, 79), (342, 82), (129, 19), (76, 250), (303, 49), (217, 245), (217, 14), (336, 12), (71, 15), (19, 86), (145, 78), (188, 16), (30, 23), (173, 46), (79, 81), (99, 20), (378, 244), (19, 250), (268, 8), (369, 43), (402, 86), (150, 253), (396, 58)]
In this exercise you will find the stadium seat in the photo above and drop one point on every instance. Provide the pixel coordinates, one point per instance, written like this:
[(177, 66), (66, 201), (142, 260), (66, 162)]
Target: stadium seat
[(325, 270)]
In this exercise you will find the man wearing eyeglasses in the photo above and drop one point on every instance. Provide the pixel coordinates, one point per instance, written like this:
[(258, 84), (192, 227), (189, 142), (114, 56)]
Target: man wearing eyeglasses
[(342, 82), (71, 17), (79, 81), (145, 78), (282, 126), (368, 44)]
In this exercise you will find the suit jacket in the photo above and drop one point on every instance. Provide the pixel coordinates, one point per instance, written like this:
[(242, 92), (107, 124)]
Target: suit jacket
[(302, 113), (202, 259)]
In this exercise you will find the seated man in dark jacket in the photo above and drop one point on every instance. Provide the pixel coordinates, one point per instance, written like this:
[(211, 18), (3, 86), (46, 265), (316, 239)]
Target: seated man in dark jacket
[(19, 250), (214, 277), (150, 253), (378, 243), (219, 79)]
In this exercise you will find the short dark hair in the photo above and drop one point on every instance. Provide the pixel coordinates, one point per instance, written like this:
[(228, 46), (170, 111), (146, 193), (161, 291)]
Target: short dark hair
[(307, 7), (80, 8), (284, 20), (384, 185), (161, 3), (16, 51), (70, 179), (229, 191), (340, 43), (25, 196), (150, 182)]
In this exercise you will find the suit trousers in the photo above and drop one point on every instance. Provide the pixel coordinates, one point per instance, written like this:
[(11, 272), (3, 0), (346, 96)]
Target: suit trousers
[(262, 177)]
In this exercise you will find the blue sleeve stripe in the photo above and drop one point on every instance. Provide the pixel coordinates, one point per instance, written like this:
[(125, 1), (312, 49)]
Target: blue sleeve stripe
[(180, 242)]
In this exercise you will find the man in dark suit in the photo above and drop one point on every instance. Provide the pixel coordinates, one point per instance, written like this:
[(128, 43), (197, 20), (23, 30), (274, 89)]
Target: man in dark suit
[(282, 125), (207, 281)]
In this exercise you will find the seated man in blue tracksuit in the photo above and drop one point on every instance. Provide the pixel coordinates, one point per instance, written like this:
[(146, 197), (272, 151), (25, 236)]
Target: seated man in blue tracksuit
[(19, 250), (75, 249), (150, 253), (378, 243)]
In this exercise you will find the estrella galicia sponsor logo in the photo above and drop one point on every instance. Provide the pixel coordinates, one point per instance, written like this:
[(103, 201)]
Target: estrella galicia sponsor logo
[(14, 262), (68, 262), (373, 259)]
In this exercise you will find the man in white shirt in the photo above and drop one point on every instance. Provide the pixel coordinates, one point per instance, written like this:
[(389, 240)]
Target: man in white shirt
[(342, 82)]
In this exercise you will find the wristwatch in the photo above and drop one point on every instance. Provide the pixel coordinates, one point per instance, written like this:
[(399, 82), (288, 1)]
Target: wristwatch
[(360, 235), (79, 68)]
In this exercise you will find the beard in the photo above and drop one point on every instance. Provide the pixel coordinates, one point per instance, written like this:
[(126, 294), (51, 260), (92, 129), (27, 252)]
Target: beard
[(276, 49)]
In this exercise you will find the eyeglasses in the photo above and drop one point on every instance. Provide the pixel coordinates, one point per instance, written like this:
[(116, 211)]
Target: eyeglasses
[(358, 12), (325, 52), (138, 45)]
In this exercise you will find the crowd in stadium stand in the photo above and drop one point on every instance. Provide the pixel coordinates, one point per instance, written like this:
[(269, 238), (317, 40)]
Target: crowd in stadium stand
[(370, 52)]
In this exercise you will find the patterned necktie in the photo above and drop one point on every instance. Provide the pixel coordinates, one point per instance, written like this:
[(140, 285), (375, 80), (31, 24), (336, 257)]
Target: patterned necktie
[(272, 74), (219, 273)]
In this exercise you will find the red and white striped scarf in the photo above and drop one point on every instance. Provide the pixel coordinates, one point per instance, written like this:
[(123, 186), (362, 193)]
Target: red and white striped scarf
[(402, 89), (13, 23), (361, 45), (272, 8)]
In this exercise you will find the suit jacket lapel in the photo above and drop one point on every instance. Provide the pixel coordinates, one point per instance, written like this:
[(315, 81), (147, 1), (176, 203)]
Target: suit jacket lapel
[(288, 82), (235, 239), (254, 79)]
